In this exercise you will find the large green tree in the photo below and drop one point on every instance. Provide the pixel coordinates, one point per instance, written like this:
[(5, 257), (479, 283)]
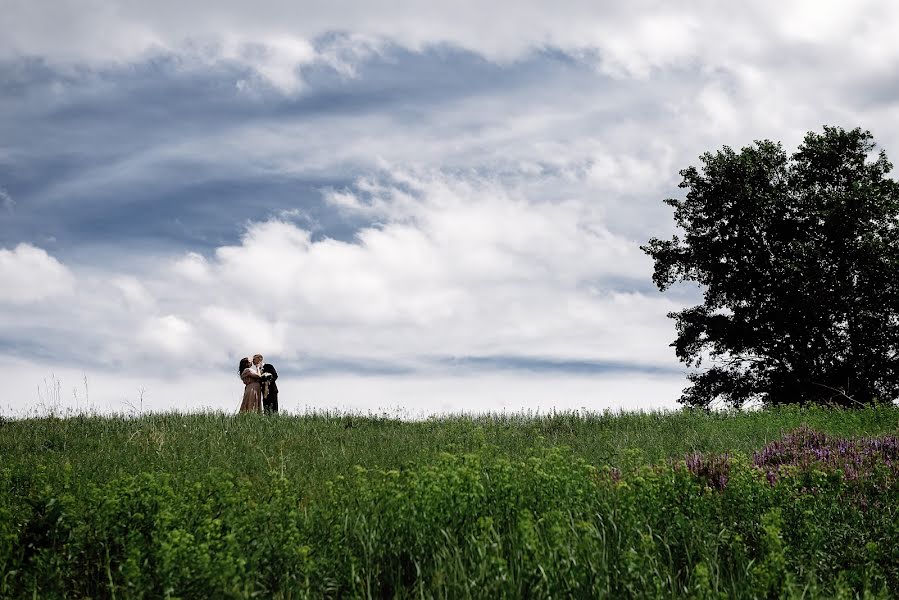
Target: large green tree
[(798, 259)]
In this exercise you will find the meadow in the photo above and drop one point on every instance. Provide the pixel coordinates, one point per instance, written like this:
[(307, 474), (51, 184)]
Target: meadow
[(790, 502)]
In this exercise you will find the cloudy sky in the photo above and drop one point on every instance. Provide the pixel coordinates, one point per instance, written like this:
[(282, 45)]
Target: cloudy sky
[(406, 206)]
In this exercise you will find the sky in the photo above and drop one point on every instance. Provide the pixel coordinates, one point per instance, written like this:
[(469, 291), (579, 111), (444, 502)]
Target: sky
[(407, 207)]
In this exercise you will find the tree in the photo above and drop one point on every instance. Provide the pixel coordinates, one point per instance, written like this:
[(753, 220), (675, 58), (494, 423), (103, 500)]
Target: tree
[(798, 258)]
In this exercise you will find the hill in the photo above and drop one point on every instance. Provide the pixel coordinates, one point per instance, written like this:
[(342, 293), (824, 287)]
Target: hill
[(784, 502)]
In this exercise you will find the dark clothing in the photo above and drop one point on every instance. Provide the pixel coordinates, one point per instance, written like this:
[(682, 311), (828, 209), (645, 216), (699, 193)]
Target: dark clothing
[(270, 401), (267, 368)]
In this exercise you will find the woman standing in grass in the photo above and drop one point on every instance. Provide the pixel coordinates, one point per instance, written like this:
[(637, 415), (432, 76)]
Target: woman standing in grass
[(252, 392)]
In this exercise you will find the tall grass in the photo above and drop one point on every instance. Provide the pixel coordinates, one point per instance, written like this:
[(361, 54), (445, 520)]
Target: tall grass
[(315, 448), (496, 505)]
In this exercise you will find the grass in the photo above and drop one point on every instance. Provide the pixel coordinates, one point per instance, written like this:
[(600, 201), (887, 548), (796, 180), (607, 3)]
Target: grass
[(374, 506), (313, 449)]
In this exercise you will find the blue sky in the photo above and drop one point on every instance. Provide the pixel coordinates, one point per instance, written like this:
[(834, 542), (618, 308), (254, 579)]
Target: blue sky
[(419, 193)]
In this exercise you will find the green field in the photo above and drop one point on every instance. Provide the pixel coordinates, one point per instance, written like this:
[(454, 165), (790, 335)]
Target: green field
[(587, 505)]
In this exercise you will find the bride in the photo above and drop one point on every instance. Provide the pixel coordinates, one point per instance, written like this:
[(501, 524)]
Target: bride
[(252, 392)]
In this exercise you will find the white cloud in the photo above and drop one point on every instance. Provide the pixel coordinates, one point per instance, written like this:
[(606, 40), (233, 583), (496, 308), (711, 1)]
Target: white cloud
[(717, 104), (29, 275), (168, 334), (243, 331), (457, 266), (277, 60), (135, 294), (192, 266), (277, 36)]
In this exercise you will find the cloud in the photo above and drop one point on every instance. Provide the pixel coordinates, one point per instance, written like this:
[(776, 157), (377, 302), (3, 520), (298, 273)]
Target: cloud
[(370, 190), (30, 275), (277, 61), (169, 334), (134, 293), (176, 142), (192, 266), (453, 266), (634, 40), (6, 201), (244, 327)]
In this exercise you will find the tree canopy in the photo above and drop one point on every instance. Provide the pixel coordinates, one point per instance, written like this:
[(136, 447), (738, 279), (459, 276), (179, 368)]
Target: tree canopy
[(798, 259)]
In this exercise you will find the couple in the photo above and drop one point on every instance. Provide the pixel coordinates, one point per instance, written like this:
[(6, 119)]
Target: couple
[(260, 391)]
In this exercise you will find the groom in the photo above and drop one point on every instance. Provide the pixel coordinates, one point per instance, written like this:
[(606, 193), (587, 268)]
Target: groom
[(269, 400)]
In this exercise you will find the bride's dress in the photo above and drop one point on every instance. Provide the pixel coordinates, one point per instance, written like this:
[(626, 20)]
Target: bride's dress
[(252, 392)]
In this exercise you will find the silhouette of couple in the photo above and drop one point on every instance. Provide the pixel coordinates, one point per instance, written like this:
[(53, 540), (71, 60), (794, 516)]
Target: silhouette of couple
[(260, 390)]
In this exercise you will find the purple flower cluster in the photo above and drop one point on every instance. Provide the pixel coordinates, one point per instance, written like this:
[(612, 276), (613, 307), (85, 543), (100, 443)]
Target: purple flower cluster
[(714, 469), (806, 448)]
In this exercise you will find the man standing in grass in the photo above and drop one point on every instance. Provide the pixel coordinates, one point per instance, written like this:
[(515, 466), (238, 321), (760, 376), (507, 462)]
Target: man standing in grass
[(269, 387)]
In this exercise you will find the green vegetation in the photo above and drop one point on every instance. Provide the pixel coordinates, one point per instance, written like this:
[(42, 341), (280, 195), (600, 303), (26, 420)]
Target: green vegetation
[(335, 505)]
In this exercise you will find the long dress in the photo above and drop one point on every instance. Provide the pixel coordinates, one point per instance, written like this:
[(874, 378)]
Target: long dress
[(252, 392)]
